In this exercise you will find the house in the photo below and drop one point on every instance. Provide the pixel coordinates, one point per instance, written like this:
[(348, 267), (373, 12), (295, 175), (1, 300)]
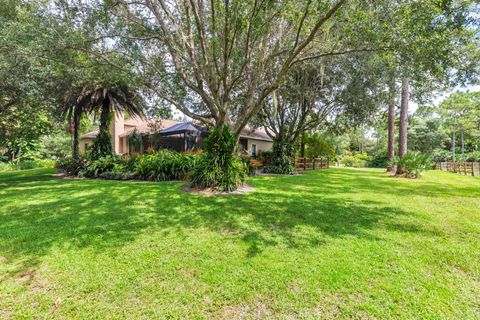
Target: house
[(168, 134)]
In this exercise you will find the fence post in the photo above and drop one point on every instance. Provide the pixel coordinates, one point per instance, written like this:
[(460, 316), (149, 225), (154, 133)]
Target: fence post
[(314, 159)]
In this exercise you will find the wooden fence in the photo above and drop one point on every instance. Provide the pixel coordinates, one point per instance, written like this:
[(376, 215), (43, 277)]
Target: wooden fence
[(311, 163), (467, 168)]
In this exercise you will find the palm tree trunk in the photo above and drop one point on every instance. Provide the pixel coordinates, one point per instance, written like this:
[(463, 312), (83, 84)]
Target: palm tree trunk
[(76, 130), (104, 117), (391, 134), (402, 134)]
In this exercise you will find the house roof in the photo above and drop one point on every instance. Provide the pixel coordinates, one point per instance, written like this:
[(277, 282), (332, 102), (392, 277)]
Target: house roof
[(170, 127), (89, 135), (142, 126), (149, 126), (258, 134), (182, 127)]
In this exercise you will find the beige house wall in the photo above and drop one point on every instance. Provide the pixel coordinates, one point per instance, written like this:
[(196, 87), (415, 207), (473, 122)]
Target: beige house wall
[(83, 143), (261, 145), (117, 127)]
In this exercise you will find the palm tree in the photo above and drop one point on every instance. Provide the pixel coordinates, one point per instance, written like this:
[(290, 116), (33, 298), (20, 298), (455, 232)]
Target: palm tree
[(73, 108), (104, 100)]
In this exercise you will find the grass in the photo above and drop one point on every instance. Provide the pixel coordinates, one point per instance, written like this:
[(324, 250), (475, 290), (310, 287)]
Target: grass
[(337, 243)]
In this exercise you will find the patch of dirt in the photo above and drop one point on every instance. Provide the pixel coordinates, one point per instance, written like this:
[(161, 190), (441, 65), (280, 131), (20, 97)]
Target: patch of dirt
[(2, 259), (211, 192), (257, 310), (62, 175), (26, 276)]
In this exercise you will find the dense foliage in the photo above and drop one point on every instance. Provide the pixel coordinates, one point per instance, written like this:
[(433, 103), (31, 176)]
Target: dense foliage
[(102, 145), (26, 164), (164, 166), (358, 160), (413, 163), (283, 154), (218, 167)]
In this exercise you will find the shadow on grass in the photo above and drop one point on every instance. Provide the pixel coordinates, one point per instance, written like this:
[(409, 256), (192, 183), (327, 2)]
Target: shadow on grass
[(38, 212)]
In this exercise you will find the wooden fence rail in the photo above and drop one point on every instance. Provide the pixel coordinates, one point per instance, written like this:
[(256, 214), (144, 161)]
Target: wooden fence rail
[(466, 168), (311, 163)]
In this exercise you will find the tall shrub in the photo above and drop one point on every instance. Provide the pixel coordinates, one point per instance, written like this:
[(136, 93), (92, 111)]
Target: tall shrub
[(219, 168), (102, 146), (282, 158)]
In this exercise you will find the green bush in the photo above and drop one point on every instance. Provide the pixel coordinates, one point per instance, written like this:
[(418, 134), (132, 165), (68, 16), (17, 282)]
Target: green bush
[(112, 175), (163, 166), (413, 163), (441, 155), (26, 164), (70, 166), (471, 156), (94, 168), (8, 166), (358, 160), (380, 160), (265, 157), (282, 158), (218, 167), (102, 146)]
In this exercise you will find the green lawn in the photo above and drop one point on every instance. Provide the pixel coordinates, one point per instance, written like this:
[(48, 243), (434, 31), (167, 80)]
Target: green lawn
[(351, 243)]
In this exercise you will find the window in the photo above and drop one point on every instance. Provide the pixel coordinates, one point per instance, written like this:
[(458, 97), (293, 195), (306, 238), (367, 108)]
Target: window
[(254, 150), (244, 143)]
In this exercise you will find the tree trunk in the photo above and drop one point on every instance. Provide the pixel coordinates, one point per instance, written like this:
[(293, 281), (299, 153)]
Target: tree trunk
[(76, 130), (302, 145), (463, 143), (453, 145), (391, 134), (402, 132), (103, 129), (102, 145)]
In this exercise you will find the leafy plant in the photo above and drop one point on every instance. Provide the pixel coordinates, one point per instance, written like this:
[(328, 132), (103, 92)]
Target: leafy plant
[(71, 166), (379, 160), (413, 163), (94, 168), (163, 166), (102, 146), (218, 167), (358, 160), (135, 140), (282, 158)]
